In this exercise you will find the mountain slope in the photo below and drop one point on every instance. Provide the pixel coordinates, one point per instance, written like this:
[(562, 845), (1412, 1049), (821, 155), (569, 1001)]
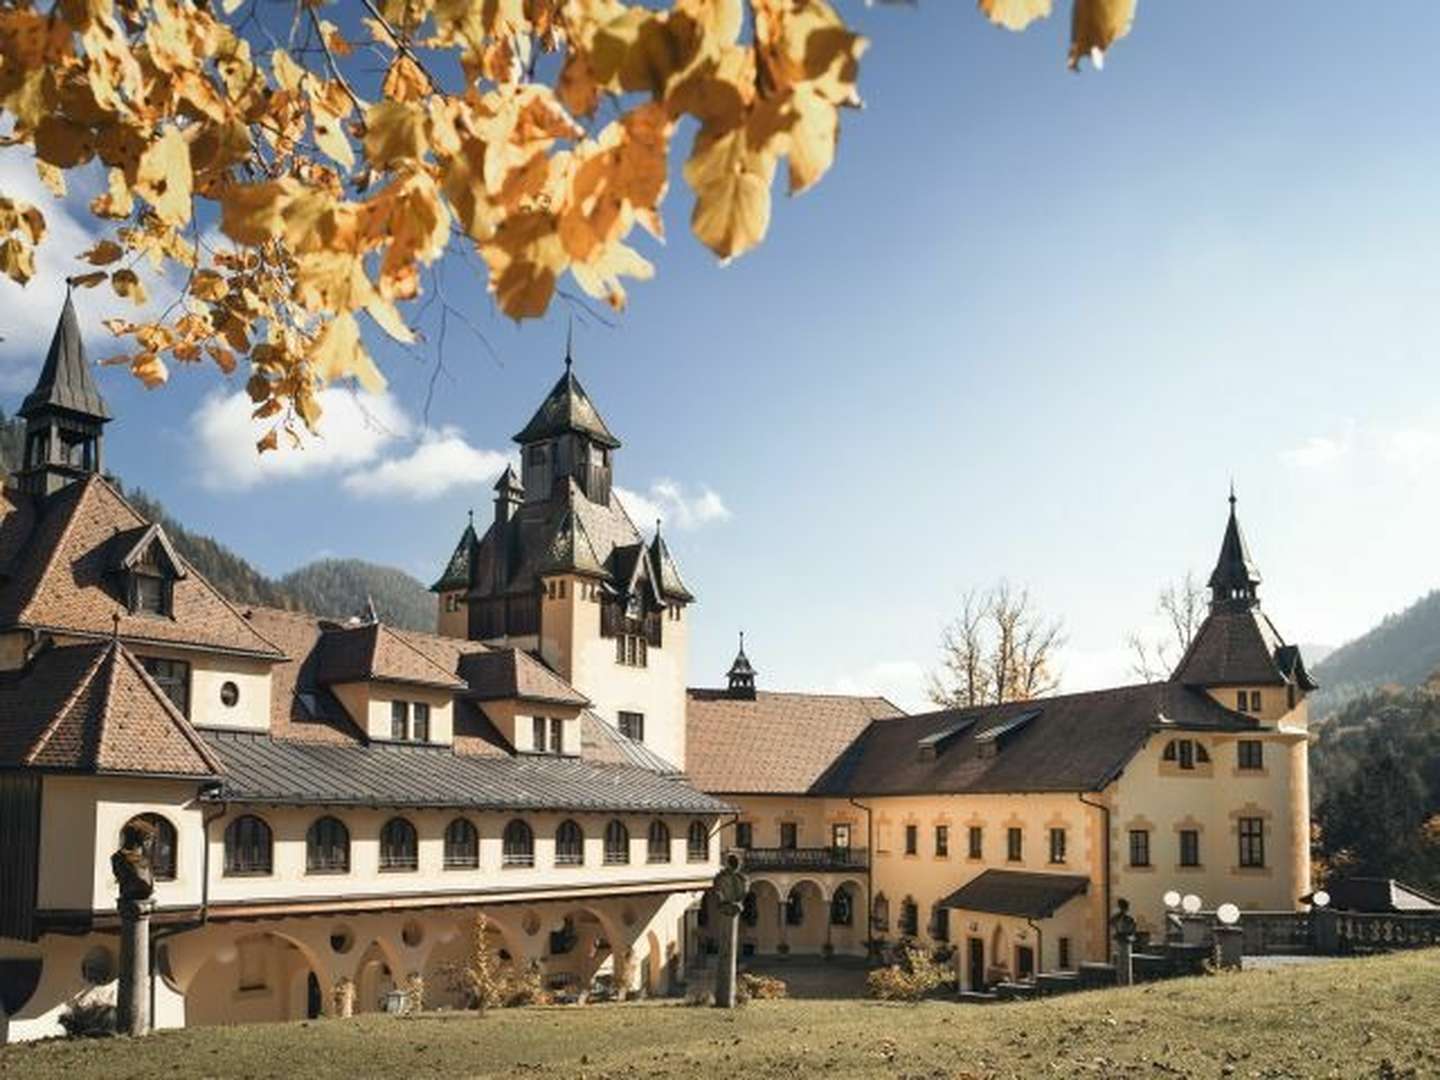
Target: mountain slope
[(1404, 650)]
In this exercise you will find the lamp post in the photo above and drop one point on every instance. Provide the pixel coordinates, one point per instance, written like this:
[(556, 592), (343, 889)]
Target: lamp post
[(1229, 937)]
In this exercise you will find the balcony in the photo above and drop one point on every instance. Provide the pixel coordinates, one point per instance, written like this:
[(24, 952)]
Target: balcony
[(815, 859)]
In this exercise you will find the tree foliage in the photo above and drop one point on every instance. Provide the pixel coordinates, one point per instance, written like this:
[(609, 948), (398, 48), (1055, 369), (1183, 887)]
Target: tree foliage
[(999, 648), (341, 164), (1184, 605)]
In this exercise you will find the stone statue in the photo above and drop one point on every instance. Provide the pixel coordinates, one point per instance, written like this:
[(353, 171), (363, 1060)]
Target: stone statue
[(730, 888), (131, 863), (1122, 923), (1122, 926)]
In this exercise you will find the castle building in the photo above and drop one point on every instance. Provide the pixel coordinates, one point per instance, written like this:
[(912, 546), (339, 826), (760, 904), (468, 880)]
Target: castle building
[(332, 801), (1009, 832)]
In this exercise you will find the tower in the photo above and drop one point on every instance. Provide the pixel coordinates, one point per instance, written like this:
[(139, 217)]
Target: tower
[(64, 414), (1235, 581), (742, 675), (567, 439)]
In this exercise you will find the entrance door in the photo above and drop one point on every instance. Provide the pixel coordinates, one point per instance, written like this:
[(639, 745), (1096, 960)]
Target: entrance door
[(1024, 962), (314, 1007), (840, 838), (975, 961)]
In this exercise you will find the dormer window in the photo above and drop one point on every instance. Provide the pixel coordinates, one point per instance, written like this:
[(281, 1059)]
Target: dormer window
[(149, 568), (149, 595)]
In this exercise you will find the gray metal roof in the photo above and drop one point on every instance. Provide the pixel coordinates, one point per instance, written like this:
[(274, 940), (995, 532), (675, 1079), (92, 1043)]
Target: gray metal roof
[(1021, 893), (261, 769), (65, 380)]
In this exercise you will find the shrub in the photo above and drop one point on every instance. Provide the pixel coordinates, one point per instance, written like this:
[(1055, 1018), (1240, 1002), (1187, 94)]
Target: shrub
[(910, 980), (752, 987), (88, 1019), (487, 981)]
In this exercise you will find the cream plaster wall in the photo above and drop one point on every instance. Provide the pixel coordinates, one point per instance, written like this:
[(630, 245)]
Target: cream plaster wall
[(368, 704), (1158, 795), (516, 721), (571, 643), (452, 617)]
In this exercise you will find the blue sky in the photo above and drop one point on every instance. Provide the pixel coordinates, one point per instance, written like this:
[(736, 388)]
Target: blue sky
[(1029, 327)]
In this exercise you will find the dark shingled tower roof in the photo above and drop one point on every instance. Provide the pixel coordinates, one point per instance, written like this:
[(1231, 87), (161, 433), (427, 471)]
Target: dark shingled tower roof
[(1235, 572), (567, 408), (65, 380)]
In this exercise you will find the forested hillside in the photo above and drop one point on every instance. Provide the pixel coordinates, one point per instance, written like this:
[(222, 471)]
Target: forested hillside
[(334, 587), (1375, 780), (1403, 651)]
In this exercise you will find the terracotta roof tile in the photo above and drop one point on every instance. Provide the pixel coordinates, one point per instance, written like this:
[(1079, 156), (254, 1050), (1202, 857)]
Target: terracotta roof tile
[(502, 674), (373, 652), (63, 579), (776, 744)]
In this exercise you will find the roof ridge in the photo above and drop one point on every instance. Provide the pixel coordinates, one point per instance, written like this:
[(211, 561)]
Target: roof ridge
[(450, 676), (82, 489)]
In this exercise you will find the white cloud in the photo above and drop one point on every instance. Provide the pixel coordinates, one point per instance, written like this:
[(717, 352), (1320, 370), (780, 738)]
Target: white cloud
[(669, 502), (902, 682), (441, 461), (354, 429), (1320, 451)]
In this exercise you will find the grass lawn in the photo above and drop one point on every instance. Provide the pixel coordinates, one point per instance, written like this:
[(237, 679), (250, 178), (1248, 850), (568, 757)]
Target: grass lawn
[(1377, 1017)]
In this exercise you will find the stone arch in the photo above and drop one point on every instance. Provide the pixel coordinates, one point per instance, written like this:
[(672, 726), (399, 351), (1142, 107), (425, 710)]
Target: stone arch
[(807, 902), (258, 974), (448, 951), (767, 932), (580, 945), (652, 967), (1000, 961), (848, 937)]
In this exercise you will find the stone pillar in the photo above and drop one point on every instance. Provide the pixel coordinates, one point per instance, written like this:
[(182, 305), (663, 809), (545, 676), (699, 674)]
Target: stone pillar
[(1230, 946), (1124, 965), (1195, 929), (730, 889), (132, 999), (1325, 931)]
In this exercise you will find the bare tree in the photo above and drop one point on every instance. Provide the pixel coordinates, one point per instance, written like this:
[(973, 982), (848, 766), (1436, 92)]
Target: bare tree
[(1183, 604), (999, 648)]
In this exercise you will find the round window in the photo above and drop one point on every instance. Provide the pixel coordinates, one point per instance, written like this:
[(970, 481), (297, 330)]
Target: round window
[(229, 694), (98, 966), (412, 934), (341, 939)]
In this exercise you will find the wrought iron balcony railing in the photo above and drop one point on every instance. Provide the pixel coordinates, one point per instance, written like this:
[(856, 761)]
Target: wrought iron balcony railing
[(803, 858)]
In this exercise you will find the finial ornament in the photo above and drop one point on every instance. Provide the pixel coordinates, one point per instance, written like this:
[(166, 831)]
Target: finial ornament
[(115, 627), (569, 341), (471, 514), (1232, 493), (742, 640)]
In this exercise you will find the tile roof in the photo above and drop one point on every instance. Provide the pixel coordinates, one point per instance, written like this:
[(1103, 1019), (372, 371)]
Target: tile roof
[(1071, 742), (511, 674), (1021, 893), (567, 408), (456, 574), (261, 769), (65, 380), (93, 708), (372, 652), (1241, 647), (775, 743), (300, 708), (61, 576), (601, 741)]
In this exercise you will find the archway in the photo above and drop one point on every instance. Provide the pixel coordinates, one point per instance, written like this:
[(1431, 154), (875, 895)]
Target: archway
[(807, 918), (579, 952), (760, 929), (446, 984), (847, 918), (256, 978), (1000, 958), (377, 972)]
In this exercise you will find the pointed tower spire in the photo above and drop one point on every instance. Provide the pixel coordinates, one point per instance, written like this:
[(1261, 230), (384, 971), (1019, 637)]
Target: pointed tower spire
[(64, 414), (569, 341), (1235, 579), (742, 674)]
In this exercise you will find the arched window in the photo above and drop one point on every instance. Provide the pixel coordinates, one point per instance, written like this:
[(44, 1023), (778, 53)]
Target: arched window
[(909, 917), (842, 908), (162, 844), (697, 842), (657, 844), (462, 845), (327, 847), (518, 848), (880, 912), (399, 848), (569, 845), (617, 844), (248, 846), (794, 908)]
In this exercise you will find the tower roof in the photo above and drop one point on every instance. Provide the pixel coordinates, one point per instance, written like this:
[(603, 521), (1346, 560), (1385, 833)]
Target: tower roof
[(457, 571), (567, 408), (667, 573), (1234, 570), (509, 482), (742, 665), (65, 380)]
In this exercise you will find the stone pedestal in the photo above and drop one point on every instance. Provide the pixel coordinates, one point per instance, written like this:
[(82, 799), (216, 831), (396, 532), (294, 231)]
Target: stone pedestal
[(132, 996), (1229, 946), (1325, 931), (725, 971), (1195, 929), (1124, 963)]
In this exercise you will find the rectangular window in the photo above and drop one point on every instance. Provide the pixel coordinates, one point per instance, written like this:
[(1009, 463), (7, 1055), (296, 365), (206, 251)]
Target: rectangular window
[(840, 836), (1057, 845), (1014, 845), (538, 728), (942, 841), (789, 835), (1064, 954), (1242, 700), (1187, 754), (1139, 847), (1252, 841), (940, 926), (912, 839), (152, 595), (1189, 847), (1254, 700), (421, 730), (1251, 754), (977, 842), (399, 720), (557, 735), (173, 677), (630, 650), (632, 725), (744, 835)]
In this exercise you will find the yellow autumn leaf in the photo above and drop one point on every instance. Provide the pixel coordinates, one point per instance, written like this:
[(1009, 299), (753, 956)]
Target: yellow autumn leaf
[(127, 285), (394, 131), (731, 181), (164, 177), (208, 285), (1015, 14), (104, 253), (255, 213), (17, 259), (810, 148), (149, 369), (87, 281), (63, 143), (52, 177), (526, 258), (1097, 24), (337, 353), (330, 136), (600, 277), (116, 201)]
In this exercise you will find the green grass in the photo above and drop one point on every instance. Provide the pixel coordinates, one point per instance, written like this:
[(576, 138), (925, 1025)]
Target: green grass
[(1376, 1017)]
